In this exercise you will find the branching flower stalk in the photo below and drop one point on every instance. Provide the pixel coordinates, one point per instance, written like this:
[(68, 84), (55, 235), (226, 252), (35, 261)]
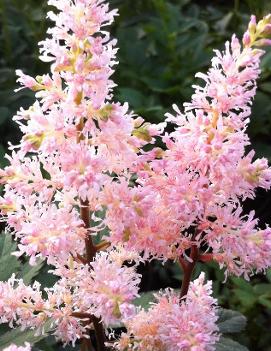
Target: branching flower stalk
[(72, 180)]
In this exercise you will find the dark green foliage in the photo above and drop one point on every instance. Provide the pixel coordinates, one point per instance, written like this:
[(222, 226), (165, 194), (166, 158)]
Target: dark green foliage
[(19, 337), (22, 26)]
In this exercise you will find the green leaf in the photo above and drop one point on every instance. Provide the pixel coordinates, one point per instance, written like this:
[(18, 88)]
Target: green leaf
[(226, 344), (262, 289), (145, 299), (45, 278), (231, 321), (29, 272), (268, 275), (8, 262), (265, 300), (3, 161), (134, 97), (246, 298), (19, 337), (263, 150), (4, 113)]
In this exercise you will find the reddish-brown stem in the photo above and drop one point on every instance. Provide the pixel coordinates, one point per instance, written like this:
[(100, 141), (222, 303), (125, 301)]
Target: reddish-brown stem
[(90, 253), (206, 257), (86, 345), (99, 333), (188, 268), (102, 246), (85, 215), (81, 259)]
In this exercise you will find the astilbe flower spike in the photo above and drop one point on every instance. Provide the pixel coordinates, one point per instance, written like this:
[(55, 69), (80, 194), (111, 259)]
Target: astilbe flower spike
[(173, 326), (197, 187), (78, 157)]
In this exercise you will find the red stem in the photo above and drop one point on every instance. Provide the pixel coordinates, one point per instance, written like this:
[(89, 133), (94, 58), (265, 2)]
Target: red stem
[(206, 257), (90, 253), (188, 268), (86, 345), (85, 215)]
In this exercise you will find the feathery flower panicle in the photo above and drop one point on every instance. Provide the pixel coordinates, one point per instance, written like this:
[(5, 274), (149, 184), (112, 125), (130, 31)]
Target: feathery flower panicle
[(134, 219), (74, 138), (236, 241), (72, 132), (108, 288), (205, 170), (25, 307), (171, 326)]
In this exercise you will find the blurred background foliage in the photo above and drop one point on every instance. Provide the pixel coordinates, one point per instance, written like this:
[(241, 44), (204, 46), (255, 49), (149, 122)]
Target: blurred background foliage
[(163, 43)]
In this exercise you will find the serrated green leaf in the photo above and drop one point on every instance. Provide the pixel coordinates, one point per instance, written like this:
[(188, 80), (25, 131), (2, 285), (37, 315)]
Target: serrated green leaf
[(231, 321), (8, 262), (45, 278), (226, 344), (29, 272), (6, 244), (19, 337)]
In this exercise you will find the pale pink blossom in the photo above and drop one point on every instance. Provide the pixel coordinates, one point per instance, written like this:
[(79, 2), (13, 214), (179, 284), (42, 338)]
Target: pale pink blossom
[(108, 288), (236, 241), (173, 326), (14, 347)]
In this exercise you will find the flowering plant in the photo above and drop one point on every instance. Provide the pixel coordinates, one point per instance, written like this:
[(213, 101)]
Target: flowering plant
[(88, 190)]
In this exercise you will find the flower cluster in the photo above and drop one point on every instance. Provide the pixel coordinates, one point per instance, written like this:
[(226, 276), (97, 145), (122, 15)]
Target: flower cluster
[(18, 348), (82, 170), (173, 326), (187, 196), (105, 289)]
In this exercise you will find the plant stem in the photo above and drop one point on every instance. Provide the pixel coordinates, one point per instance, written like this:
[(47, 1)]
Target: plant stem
[(90, 253), (86, 345), (90, 248), (100, 335), (188, 268)]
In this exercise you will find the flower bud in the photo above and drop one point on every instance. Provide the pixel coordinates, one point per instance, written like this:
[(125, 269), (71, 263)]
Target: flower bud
[(262, 42), (34, 140), (266, 30), (142, 133), (246, 38), (252, 24)]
